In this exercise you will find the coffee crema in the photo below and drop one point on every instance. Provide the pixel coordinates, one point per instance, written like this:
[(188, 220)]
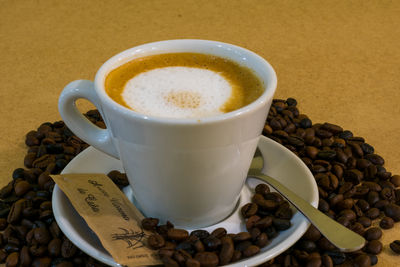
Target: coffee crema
[(183, 85)]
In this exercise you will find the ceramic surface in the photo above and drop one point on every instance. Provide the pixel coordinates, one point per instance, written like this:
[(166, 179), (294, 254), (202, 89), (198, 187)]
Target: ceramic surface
[(279, 162)]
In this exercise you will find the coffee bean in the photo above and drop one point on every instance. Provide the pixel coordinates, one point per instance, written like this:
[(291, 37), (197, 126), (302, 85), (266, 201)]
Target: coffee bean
[(227, 249), (37, 250), (68, 249), (312, 233), (363, 260), (372, 213), (16, 210), (375, 159), (386, 223), (281, 224), (150, 223), (3, 224), (242, 236), (12, 259), (374, 247), (219, 232), (177, 234), (54, 247), (251, 221), (395, 179), (156, 241), (366, 222), (307, 245), (374, 259), (212, 242), (25, 258), (395, 246), (192, 263), (207, 259), (337, 257), (373, 233), (42, 235), (41, 262), (201, 234), (250, 251), (393, 211), (249, 210)]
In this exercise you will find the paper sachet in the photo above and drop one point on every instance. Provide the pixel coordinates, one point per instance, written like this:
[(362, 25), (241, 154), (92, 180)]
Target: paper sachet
[(109, 213)]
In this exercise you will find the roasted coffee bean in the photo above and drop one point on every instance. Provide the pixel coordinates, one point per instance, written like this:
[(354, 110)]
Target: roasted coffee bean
[(365, 221), (337, 257), (16, 210), (373, 197), (395, 246), (284, 211), (306, 245), (375, 159), (393, 211), (312, 234), (156, 241), (242, 236), (212, 242), (395, 179), (323, 205), (25, 257), (219, 232), (325, 244), (250, 251), (201, 234), (3, 224), (227, 249), (373, 233), (249, 210), (372, 213), (261, 240), (12, 259), (358, 228), (374, 247), (68, 249), (262, 189), (37, 250), (251, 222), (21, 188), (281, 224), (54, 247), (150, 223), (207, 259), (192, 263), (386, 223), (362, 260), (354, 176), (42, 235), (177, 234)]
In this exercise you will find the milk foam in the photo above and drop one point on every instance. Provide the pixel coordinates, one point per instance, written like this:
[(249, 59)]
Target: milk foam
[(178, 92)]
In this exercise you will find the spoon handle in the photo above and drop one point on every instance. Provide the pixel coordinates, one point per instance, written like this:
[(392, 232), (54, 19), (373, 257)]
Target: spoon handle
[(343, 238)]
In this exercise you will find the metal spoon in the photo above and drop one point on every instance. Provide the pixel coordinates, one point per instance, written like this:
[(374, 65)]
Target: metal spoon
[(343, 238)]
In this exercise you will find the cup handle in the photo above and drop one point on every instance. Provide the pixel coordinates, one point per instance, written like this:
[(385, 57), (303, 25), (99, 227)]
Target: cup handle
[(79, 124)]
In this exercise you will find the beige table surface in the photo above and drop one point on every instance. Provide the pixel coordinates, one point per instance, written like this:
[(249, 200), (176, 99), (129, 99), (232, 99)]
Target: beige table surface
[(339, 59)]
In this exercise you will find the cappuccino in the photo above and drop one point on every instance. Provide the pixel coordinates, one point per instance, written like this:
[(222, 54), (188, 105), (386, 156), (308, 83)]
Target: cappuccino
[(183, 85)]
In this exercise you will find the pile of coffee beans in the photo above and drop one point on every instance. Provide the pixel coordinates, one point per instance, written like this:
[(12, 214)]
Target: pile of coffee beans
[(30, 236), (355, 189), (266, 215)]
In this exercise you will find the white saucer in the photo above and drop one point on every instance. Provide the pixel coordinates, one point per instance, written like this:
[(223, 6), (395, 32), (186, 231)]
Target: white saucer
[(279, 162)]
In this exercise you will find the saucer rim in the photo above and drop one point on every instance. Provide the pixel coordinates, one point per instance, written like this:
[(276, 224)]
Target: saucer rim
[(252, 261)]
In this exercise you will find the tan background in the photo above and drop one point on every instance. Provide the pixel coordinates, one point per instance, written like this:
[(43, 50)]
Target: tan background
[(339, 59)]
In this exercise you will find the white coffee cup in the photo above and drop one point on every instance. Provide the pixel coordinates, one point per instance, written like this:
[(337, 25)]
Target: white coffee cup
[(188, 171)]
